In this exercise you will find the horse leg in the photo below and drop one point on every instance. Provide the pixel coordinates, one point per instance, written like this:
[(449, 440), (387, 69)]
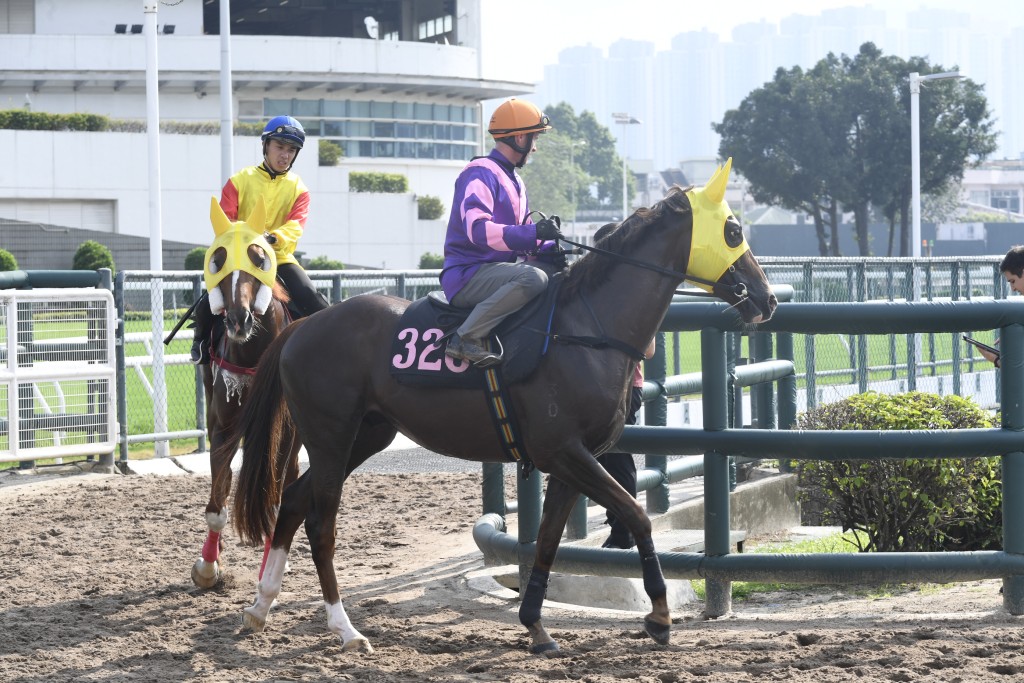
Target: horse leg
[(206, 571), (288, 466), (558, 503), (587, 476), (294, 503)]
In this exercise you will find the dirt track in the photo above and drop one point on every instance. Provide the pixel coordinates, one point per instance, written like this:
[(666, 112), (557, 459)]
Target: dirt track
[(94, 582)]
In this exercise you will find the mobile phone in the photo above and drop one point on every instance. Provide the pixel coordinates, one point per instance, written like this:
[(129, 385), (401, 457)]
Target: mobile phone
[(981, 345)]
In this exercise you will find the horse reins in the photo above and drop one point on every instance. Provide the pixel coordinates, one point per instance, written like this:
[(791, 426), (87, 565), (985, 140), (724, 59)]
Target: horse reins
[(738, 290)]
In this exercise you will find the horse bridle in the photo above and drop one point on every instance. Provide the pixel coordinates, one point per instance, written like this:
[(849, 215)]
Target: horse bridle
[(739, 290)]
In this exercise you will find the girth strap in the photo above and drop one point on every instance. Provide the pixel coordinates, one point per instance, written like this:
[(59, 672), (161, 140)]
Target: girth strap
[(504, 420)]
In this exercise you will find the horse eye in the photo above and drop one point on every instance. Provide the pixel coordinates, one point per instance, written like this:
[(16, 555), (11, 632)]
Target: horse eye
[(217, 261), (733, 234)]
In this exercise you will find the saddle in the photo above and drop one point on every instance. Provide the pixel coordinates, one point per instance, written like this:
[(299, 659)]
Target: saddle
[(419, 340)]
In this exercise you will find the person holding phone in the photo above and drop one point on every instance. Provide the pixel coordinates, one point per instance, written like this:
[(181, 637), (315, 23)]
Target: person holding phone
[(1012, 268)]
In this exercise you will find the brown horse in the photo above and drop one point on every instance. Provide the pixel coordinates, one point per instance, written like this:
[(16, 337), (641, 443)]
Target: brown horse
[(330, 374), (254, 307)]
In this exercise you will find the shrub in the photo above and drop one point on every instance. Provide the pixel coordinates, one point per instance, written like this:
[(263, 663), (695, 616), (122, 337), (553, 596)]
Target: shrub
[(392, 183), (430, 207), (324, 263), (907, 504), (7, 261), (91, 255), (195, 259), (330, 153), (430, 261)]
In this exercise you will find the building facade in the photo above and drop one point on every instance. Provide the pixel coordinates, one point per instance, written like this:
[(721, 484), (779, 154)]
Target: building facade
[(396, 84)]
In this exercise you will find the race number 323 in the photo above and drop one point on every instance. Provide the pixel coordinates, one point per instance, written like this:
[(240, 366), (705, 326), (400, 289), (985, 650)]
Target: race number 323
[(425, 352)]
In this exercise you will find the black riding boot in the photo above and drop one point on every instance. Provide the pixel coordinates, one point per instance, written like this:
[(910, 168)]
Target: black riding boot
[(201, 329)]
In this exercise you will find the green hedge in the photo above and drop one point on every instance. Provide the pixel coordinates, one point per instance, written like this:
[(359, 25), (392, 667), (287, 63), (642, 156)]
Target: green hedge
[(908, 505), (391, 183), (19, 119)]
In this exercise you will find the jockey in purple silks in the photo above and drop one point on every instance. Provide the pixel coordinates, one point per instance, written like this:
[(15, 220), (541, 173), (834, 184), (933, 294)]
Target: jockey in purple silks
[(490, 251)]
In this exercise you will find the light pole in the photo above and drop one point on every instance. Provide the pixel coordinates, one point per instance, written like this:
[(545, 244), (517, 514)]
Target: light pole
[(915, 153), (572, 178), (625, 120)]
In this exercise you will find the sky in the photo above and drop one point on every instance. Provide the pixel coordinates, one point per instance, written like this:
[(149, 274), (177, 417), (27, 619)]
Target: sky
[(521, 37)]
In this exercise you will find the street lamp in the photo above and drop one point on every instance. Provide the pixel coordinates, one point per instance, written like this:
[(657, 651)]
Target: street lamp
[(915, 153), (572, 177), (625, 120)]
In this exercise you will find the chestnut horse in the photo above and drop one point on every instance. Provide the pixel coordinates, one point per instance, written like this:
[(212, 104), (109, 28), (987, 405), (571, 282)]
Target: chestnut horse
[(240, 272), (330, 376)]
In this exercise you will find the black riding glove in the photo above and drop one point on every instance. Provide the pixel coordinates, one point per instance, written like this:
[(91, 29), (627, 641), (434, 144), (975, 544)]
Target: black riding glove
[(548, 228)]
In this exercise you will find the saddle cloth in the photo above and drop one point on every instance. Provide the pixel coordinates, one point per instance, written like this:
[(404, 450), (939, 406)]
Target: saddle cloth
[(417, 352)]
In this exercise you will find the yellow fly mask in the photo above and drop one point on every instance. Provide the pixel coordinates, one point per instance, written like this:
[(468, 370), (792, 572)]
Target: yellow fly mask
[(235, 239), (713, 246)]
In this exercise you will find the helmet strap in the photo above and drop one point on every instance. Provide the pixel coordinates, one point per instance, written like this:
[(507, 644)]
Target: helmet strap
[(269, 168), (523, 151)]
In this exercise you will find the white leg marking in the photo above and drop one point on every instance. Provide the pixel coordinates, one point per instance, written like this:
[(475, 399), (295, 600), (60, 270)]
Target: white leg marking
[(267, 590), (216, 521), (340, 625)]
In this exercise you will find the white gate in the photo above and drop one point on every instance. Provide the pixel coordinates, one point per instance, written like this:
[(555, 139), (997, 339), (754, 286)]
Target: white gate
[(57, 391)]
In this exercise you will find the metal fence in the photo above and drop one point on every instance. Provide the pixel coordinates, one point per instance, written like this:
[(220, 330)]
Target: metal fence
[(56, 373), (161, 398)]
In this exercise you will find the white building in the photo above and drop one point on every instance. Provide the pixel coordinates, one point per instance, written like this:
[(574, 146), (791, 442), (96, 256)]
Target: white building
[(398, 84)]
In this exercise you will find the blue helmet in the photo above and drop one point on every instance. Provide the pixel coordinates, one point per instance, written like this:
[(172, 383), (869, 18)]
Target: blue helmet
[(286, 129)]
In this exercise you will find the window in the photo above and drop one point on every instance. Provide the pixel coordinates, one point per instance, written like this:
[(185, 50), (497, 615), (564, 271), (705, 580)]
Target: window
[(382, 129), (1007, 200)]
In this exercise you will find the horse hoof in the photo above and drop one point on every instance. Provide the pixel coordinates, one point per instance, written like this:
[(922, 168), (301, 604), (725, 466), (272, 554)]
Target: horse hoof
[(205, 574), (358, 645), (252, 622), (549, 649), (659, 632)]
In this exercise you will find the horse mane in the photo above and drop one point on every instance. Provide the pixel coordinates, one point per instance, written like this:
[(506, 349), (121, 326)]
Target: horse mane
[(593, 268), (280, 293)]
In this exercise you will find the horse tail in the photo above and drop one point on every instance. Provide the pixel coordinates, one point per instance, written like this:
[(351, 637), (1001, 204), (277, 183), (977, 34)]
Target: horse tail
[(260, 427)]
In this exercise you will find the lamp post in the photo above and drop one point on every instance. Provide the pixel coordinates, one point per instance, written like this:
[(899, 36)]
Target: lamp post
[(915, 153), (625, 120), (572, 178)]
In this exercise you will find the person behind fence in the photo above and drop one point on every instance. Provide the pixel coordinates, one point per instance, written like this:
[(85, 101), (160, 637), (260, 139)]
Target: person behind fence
[(287, 203), (621, 465), (494, 260), (1012, 268)]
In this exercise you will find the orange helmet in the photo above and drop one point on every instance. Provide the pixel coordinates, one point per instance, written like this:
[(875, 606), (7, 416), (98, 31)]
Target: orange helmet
[(515, 117)]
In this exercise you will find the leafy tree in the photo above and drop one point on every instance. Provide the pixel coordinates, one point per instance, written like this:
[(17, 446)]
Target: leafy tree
[(195, 259), (836, 138), (370, 181), (91, 255), (429, 207), (431, 261), (7, 261), (597, 176), (330, 153), (324, 263)]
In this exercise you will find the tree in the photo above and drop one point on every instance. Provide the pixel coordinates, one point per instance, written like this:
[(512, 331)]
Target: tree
[(7, 261), (837, 138), (195, 259), (324, 263), (429, 207), (431, 261), (91, 255), (330, 153), (594, 178)]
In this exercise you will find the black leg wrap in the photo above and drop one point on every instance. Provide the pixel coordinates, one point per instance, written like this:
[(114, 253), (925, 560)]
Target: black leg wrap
[(536, 588), (654, 581)]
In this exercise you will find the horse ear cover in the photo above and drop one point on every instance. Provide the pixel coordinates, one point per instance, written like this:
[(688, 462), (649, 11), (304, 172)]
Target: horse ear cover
[(710, 256), (236, 238)]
